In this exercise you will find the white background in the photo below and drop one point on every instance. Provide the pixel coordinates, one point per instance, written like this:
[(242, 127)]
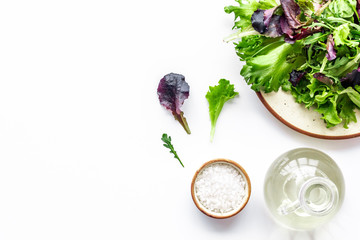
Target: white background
[(80, 125)]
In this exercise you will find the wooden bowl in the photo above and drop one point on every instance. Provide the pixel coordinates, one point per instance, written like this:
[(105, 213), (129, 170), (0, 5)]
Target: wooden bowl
[(233, 212)]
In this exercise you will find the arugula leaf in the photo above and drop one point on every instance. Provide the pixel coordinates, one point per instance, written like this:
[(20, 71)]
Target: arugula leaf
[(316, 37), (167, 143), (345, 68), (217, 96)]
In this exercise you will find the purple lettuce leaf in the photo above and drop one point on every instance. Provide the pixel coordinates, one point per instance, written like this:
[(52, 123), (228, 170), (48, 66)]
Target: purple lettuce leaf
[(290, 22), (291, 12), (274, 28), (265, 22), (296, 76), (302, 33), (357, 14), (323, 78), (289, 40), (257, 21), (285, 28), (351, 79), (268, 15), (331, 53), (173, 90)]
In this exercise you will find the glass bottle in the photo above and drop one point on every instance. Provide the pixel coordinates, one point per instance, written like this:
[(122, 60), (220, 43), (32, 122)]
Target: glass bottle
[(303, 189)]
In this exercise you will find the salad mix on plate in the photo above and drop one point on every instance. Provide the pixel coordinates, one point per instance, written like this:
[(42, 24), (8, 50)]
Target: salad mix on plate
[(308, 47)]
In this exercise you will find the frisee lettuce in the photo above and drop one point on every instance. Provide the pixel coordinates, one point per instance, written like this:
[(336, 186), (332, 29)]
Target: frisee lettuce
[(271, 65)]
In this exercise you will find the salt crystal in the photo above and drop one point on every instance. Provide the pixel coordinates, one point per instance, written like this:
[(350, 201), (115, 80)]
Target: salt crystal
[(220, 188)]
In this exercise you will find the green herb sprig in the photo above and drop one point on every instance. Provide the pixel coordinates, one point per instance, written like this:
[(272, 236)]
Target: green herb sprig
[(167, 143)]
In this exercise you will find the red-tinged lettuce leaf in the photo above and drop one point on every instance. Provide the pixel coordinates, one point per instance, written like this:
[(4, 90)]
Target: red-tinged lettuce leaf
[(302, 33), (258, 21), (291, 12), (173, 90), (245, 10), (351, 79), (331, 53), (285, 28), (265, 22), (296, 76), (268, 15), (323, 78), (274, 28)]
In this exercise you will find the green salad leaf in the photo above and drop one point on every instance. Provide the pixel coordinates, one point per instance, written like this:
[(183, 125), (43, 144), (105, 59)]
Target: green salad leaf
[(342, 8), (341, 36), (167, 143), (353, 95), (309, 48), (243, 14), (271, 65), (217, 96)]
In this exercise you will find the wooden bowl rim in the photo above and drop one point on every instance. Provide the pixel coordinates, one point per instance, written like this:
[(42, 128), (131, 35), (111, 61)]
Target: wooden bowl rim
[(243, 172)]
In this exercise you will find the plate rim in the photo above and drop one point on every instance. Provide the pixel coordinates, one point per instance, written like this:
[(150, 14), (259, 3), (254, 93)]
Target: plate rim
[(302, 131)]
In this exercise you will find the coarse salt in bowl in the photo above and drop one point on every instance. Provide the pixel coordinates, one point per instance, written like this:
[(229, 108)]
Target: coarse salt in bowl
[(221, 188)]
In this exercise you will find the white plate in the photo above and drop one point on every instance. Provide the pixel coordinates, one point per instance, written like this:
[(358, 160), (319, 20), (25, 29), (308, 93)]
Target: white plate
[(307, 121)]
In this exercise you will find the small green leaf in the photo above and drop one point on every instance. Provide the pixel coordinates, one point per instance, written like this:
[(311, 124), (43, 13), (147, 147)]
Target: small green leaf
[(217, 96), (167, 140), (353, 95)]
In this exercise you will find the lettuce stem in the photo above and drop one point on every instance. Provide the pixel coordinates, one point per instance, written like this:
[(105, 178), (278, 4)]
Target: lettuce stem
[(182, 120)]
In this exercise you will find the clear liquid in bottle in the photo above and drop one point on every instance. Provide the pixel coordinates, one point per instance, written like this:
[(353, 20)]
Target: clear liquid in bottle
[(304, 188)]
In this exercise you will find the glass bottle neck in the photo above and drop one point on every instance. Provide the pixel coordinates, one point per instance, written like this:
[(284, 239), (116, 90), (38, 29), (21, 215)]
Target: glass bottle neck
[(318, 196)]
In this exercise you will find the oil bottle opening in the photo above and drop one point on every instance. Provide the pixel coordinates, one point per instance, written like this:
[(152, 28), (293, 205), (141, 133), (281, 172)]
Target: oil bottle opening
[(318, 196)]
